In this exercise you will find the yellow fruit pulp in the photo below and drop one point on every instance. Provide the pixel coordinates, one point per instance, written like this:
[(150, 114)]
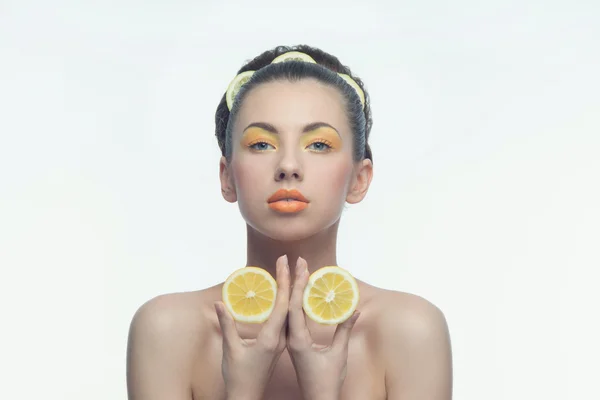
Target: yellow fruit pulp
[(293, 56), (235, 85), (331, 295), (249, 294)]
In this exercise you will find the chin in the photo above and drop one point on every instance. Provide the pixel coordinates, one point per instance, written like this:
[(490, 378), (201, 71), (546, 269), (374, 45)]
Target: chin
[(285, 230), (287, 236), (291, 228)]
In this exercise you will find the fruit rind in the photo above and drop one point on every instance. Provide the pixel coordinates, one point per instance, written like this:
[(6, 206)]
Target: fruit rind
[(311, 281), (231, 93), (293, 55), (355, 86), (254, 319)]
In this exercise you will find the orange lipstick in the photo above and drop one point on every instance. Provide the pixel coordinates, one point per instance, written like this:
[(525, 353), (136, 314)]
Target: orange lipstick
[(287, 201)]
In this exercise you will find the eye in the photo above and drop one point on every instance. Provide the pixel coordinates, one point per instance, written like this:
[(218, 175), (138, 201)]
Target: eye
[(320, 146), (261, 146)]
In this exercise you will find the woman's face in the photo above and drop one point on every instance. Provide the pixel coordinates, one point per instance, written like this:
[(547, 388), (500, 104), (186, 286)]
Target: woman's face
[(293, 136)]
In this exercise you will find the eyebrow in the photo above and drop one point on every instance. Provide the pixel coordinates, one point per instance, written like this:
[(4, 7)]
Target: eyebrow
[(310, 127)]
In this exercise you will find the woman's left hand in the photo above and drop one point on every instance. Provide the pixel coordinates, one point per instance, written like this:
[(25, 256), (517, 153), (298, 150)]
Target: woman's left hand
[(320, 369)]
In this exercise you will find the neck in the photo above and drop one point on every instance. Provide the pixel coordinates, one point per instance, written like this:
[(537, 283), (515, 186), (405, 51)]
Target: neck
[(318, 250)]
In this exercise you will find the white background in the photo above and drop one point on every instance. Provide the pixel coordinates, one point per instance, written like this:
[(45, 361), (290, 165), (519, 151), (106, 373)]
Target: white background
[(485, 198)]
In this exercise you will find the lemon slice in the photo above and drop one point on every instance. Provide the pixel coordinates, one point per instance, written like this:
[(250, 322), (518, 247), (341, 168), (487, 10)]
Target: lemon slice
[(331, 295), (293, 56), (353, 83), (235, 85), (249, 294)]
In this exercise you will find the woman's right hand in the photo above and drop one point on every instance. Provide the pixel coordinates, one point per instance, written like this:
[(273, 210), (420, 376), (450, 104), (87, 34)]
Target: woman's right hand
[(248, 364)]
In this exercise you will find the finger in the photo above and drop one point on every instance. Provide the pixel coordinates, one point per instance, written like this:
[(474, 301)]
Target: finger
[(284, 330), (341, 337), (298, 329), (277, 319), (230, 333)]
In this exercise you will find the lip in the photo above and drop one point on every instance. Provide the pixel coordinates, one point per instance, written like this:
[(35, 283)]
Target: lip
[(287, 201), (285, 194)]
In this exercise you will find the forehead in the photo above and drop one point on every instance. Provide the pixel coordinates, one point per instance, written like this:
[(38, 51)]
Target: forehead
[(292, 105)]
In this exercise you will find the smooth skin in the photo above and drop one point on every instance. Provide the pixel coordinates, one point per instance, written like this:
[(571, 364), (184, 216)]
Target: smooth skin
[(186, 346)]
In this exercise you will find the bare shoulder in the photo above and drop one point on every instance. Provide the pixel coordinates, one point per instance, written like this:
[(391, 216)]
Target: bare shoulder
[(401, 312), (168, 314), (415, 346), (165, 334), (410, 315)]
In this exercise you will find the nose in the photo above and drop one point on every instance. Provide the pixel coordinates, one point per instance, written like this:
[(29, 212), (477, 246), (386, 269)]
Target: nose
[(289, 168)]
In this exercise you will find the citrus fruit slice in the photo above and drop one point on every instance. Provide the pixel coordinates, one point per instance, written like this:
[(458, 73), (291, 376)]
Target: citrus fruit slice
[(331, 295), (353, 83), (249, 294), (293, 56), (235, 85)]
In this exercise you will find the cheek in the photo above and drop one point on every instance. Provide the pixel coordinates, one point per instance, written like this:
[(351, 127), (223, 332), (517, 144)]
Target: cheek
[(336, 180), (249, 176), (341, 179)]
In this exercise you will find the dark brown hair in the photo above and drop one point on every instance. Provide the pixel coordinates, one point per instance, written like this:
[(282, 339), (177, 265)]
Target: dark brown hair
[(324, 71)]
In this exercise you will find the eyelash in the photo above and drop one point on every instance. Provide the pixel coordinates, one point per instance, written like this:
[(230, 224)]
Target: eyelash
[(253, 144), (327, 143)]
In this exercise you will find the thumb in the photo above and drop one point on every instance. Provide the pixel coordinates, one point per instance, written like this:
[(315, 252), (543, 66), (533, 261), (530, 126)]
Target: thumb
[(226, 322), (341, 337)]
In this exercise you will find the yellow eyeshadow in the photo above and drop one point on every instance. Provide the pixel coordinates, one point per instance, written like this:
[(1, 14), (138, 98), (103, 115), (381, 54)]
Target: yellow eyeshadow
[(256, 135), (324, 135)]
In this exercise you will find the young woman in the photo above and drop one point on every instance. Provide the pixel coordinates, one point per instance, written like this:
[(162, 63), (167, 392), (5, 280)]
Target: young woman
[(294, 125)]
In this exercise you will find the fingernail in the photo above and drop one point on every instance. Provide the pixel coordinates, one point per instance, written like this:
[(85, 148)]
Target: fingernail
[(305, 268), (285, 259)]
